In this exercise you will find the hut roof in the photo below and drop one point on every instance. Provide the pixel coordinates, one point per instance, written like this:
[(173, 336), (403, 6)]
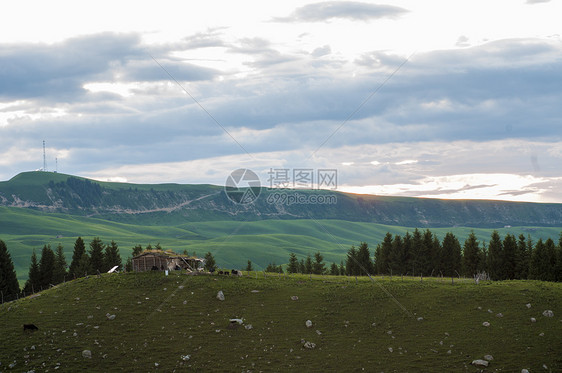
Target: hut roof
[(168, 254)]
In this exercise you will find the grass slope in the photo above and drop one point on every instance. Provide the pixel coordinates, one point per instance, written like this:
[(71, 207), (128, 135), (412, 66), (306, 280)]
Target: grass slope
[(159, 320), (232, 242)]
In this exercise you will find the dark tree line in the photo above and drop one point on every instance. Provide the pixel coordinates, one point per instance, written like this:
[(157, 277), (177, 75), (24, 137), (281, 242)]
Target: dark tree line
[(421, 253)]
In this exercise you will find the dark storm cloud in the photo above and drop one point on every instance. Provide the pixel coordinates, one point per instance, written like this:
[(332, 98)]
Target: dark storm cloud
[(352, 10)]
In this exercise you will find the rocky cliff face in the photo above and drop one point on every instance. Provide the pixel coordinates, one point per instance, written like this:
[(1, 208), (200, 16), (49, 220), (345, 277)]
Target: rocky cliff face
[(172, 203)]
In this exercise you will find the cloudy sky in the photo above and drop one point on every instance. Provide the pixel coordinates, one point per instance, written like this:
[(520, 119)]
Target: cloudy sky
[(447, 99)]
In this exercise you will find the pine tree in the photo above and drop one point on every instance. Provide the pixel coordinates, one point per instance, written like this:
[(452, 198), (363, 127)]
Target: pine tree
[(79, 251), (138, 249), (450, 255), (558, 266), (318, 265), (383, 258), (112, 257), (495, 257), (59, 272), (342, 268), (96, 255), (9, 285), (293, 266), (406, 259), (550, 260), (426, 254), (395, 256), (334, 270), (509, 259), (302, 267), (471, 255), (308, 265), (210, 263), (523, 257), (364, 259), (415, 260), (33, 282), (352, 263), (46, 267), (249, 267), (83, 267), (537, 267)]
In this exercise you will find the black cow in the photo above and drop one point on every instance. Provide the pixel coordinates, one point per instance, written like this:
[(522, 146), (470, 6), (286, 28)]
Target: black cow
[(30, 327), (234, 272), (221, 272), (226, 273)]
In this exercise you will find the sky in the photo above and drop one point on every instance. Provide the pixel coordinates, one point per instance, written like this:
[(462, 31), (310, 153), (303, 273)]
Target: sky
[(435, 98)]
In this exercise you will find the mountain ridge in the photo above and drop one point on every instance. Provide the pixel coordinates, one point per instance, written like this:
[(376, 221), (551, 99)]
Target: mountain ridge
[(175, 203)]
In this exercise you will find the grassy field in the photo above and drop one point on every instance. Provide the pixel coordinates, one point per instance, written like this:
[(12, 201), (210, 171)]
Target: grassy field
[(356, 326), (233, 243)]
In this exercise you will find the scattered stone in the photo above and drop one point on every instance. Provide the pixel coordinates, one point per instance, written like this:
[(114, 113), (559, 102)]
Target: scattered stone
[(310, 345), (184, 302), (308, 324), (548, 313), (75, 334), (480, 308), (294, 297), (239, 321), (541, 335), (156, 364), (480, 362), (449, 352), (524, 371), (220, 295), (490, 311), (390, 349), (486, 324), (533, 319), (544, 366), (528, 305), (185, 357), (180, 287), (488, 357), (87, 354), (420, 318), (248, 327), (499, 315), (110, 317), (255, 291), (318, 332), (374, 324), (90, 316), (33, 347)]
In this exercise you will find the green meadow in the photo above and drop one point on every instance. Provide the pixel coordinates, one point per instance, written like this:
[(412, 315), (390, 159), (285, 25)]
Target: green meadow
[(176, 323)]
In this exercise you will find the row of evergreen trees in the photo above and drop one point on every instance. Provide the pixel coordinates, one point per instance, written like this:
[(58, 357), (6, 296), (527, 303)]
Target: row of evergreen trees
[(423, 254), (502, 259)]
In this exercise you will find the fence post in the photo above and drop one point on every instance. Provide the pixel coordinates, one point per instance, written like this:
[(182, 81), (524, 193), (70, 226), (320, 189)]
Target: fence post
[(452, 280)]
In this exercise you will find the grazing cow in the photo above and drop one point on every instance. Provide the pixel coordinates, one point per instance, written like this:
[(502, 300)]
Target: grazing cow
[(31, 327), (227, 273), (221, 272), (234, 272)]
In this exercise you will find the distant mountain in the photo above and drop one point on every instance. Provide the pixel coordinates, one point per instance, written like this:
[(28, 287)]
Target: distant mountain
[(161, 204)]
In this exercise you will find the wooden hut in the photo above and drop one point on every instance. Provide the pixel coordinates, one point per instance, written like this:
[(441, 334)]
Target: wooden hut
[(162, 260)]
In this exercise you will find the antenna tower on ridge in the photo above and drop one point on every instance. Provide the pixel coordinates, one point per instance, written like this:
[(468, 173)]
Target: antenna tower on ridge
[(44, 158)]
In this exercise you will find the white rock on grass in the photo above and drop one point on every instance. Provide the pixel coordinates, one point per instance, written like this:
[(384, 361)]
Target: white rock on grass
[(220, 295), (185, 357), (390, 349), (524, 371), (308, 324), (488, 357), (528, 305), (499, 315), (486, 324), (548, 313), (87, 354), (248, 327), (480, 362), (310, 345), (533, 319), (294, 297)]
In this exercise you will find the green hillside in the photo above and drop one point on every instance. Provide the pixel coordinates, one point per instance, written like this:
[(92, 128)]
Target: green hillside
[(176, 323), (173, 204), (232, 242)]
